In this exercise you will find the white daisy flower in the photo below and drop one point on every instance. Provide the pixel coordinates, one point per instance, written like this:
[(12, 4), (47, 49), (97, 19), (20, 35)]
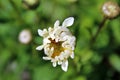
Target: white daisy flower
[(58, 43)]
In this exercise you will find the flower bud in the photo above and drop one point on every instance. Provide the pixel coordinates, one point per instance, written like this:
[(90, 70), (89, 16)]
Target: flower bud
[(30, 4), (111, 10), (25, 36)]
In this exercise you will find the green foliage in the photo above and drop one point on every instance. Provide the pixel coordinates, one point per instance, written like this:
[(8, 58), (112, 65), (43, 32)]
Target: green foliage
[(93, 61), (115, 61)]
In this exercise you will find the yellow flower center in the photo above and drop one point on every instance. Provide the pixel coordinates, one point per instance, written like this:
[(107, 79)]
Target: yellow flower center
[(57, 47)]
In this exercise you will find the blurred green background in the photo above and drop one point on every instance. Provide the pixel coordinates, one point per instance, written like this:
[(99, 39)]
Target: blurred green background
[(98, 61)]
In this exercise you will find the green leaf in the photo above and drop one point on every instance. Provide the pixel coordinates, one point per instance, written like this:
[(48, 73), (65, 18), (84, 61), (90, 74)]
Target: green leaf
[(115, 61)]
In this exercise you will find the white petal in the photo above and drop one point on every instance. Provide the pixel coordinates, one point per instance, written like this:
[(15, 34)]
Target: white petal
[(57, 23), (64, 65), (56, 40), (68, 22), (45, 33), (54, 64), (52, 36), (40, 47), (59, 62), (51, 51), (40, 32), (73, 39), (65, 43), (72, 55), (66, 37), (50, 29), (46, 51), (56, 58), (46, 58), (61, 57), (67, 53), (46, 40)]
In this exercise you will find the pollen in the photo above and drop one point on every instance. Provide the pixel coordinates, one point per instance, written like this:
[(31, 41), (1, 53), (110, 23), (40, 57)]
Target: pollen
[(57, 47)]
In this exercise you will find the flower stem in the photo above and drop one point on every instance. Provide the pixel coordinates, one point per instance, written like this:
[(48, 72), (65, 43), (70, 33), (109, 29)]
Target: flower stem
[(99, 29), (16, 10)]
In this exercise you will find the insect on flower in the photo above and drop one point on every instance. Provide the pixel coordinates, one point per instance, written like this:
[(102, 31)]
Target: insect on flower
[(58, 43)]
